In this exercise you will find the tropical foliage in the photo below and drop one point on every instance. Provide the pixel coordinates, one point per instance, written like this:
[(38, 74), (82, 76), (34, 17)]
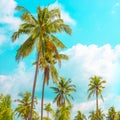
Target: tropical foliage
[(40, 31), (49, 111), (96, 86), (6, 112), (23, 108), (63, 92), (111, 114), (63, 113), (80, 116)]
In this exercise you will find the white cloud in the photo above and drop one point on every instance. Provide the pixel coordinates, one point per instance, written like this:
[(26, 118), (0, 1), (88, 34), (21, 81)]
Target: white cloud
[(115, 7), (64, 15), (19, 81), (87, 106), (7, 19), (86, 61), (2, 39), (7, 13), (117, 4), (93, 60)]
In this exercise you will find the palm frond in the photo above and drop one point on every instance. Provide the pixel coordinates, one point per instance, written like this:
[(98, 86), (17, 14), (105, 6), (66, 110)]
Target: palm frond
[(25, 49)]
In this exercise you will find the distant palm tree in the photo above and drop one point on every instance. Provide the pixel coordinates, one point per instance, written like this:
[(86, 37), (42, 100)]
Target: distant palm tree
[(80, 116), (23, 108), (63, 113), (118, 115), (49, 110), (6, 112), (63, 92), (100, 115), (92, 115), (96, 86), (40, 31), (111, 113)]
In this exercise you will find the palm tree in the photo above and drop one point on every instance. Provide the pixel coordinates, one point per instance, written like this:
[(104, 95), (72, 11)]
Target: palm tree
[(92, 115), (111, 114), (6, 111), (49, 110), (63, 92), (48, 66), (63, 113), (40, 31), (100, 115), (96, 116), (96, 87), (118, 115), (80, 116), (23, 108)]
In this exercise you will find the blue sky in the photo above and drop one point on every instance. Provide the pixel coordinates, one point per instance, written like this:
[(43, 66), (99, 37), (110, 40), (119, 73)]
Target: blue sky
[(93, 49)]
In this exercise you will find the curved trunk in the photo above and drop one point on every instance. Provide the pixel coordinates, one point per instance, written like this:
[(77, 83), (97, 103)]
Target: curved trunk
[(42, 101), (34, 85)]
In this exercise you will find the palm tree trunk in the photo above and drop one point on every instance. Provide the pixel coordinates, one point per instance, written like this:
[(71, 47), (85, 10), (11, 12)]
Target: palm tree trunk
[(96, 101), (34, 85), (42, 101)]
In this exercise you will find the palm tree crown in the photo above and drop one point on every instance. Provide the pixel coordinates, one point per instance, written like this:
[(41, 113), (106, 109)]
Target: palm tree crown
[(63, 91), (96, 88), (23, 108), (80, 116), (63, 113), (6, 111), (111, 113)]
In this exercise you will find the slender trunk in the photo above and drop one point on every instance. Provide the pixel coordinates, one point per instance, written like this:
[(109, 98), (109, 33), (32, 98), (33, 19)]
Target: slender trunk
[(97, 102), (34, 85), (42, 101)]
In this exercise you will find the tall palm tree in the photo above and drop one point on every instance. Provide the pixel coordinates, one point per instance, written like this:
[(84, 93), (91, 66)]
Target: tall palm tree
[(63, 92), (63, 113), (96, 88), (6, 111), (48, 66), (80, 116), (49, 110), (23, 108), (40, 31), (111, 113)]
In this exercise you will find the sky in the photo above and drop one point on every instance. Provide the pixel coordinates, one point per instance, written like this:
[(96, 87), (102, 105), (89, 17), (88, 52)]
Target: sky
[(93, 49)]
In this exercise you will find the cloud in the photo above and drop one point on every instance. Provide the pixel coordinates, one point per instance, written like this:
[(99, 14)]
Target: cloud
[(64, 15), (115, 7), (8, 21), (93, 60), (7, 14), (87, 106), (2, 39), (19, 81), (117, 4), (86, 61)]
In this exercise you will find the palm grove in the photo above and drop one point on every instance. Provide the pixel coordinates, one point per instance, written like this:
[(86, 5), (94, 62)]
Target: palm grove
[(41, 31)]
